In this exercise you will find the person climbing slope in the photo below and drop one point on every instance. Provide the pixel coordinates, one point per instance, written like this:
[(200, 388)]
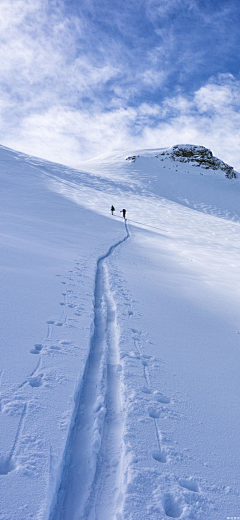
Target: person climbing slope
[(112, 209), (123, 211)]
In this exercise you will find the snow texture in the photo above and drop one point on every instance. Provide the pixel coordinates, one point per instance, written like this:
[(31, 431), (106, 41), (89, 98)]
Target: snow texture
[(119, 377)]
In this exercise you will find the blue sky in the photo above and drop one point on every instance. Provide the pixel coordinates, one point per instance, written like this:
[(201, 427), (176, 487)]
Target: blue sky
[(80, 78)]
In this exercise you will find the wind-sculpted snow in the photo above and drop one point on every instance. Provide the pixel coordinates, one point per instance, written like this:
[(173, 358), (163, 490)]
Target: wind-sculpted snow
[(120, 353)]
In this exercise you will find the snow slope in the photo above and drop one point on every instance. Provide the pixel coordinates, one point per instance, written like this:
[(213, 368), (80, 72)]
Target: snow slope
[(120, 341)]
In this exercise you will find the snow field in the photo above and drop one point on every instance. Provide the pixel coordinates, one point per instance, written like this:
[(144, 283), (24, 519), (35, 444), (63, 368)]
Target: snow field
[(187, 337), (122, 401), (48, 259)]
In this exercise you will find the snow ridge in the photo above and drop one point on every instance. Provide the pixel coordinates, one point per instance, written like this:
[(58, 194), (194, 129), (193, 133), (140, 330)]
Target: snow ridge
[(91, 477)]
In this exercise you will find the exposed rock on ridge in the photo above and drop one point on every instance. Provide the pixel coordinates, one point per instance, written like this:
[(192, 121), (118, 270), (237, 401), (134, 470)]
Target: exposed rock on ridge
[(199, 156)]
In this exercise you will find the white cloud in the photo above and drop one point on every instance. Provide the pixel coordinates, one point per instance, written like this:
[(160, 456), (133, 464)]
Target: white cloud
[(219, 96), (211, 117), (163, 8), (65, 96), (70, 136), (39, 59), (153, 78)]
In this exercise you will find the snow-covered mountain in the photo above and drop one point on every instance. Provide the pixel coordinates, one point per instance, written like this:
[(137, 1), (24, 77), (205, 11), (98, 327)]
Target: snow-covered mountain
[(120, 339)]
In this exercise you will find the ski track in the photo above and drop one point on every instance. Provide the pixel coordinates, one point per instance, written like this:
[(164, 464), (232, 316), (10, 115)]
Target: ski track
[(159, 455), (90, 483), (8, 462)]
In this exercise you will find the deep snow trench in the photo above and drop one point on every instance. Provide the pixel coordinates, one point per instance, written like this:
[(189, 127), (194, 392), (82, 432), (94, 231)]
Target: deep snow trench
[(91, 477)]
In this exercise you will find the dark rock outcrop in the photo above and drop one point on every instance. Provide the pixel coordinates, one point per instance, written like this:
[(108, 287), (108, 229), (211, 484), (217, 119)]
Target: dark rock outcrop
[(199, 156)]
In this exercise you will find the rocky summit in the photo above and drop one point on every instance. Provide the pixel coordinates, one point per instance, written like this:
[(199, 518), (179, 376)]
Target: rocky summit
[(199, 156)]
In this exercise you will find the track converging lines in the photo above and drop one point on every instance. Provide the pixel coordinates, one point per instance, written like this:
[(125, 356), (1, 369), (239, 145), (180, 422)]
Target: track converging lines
[(90, 485)]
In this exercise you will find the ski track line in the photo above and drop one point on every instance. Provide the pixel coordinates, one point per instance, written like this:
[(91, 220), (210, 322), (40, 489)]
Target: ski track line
[(158, 455), (7, 462), (90, 483)]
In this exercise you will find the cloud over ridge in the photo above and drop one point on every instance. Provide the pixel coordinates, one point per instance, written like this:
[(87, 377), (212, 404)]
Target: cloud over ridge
[(77, 80)]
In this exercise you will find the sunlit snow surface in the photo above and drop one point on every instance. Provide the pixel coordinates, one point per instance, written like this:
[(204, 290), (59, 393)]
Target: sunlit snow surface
[(120, 346)]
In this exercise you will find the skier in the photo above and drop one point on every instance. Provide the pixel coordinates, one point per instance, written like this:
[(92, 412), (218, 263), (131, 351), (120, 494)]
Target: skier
[(112, 209), (124, 211)]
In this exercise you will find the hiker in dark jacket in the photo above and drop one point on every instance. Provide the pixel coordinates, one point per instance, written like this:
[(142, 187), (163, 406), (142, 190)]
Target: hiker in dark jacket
[(112, 209), (124, 211)]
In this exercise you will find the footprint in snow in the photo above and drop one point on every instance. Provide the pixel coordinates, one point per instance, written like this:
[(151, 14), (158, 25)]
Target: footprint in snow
[(172, 506), (189, 484), (135, 331), (37, 348), (7, 465), (154, 412), (133, 355), (146, 390), (162, 399), (160, 456), (36, 381)]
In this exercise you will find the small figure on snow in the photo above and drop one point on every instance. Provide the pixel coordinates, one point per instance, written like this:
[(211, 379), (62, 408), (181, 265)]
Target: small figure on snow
[(123, 211), (112, 209)]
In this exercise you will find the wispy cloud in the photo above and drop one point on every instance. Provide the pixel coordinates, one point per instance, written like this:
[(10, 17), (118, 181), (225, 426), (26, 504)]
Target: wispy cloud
[(162, 8), (78, 79)]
